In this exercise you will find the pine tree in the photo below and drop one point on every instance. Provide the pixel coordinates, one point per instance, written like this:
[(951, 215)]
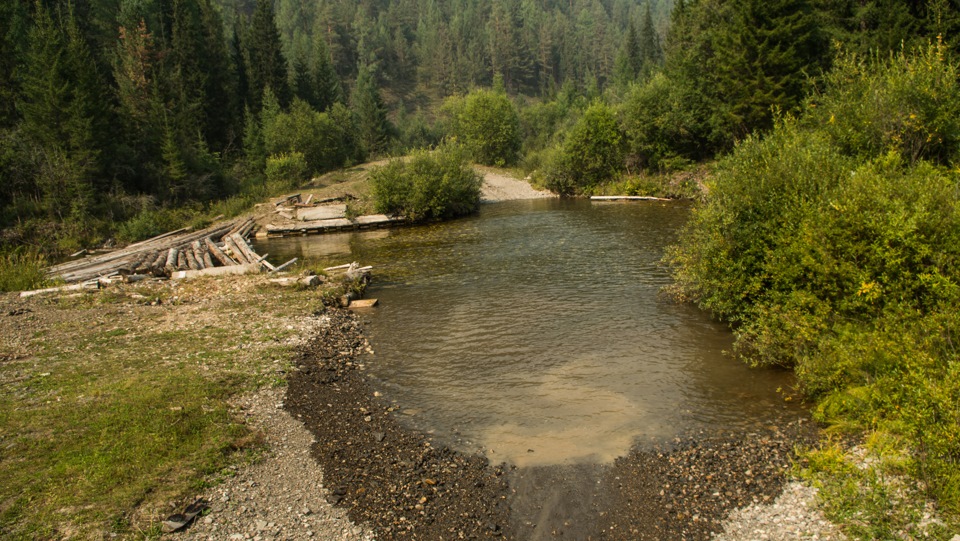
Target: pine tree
[(13, 43), (651, 53), (763, 56), (266, 63), (629, 61), (64, 110), (326, 82), (372, 125)]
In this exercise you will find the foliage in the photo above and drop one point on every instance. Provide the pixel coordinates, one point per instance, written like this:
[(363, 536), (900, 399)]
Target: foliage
[(324, 140), (835, 248), (488, 123), (287, 170), (20, 271), (591, 154), (431, 185)]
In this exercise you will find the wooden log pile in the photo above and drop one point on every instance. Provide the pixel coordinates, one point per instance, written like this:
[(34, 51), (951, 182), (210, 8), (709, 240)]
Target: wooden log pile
[(220, 245)]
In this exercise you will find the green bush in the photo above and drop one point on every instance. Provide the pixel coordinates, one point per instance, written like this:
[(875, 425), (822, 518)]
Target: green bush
[(489, 125), (285, 171), (326, 140), (591, 154), (431, 185), (834, 245)]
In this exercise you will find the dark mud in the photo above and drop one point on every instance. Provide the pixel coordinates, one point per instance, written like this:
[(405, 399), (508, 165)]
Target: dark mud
[(406, 484)]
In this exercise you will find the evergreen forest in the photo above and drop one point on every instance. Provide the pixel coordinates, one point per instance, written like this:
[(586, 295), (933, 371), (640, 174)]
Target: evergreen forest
[(822, 137)]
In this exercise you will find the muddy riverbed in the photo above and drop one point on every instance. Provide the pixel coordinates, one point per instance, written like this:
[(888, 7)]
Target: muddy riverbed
[(406, 484)]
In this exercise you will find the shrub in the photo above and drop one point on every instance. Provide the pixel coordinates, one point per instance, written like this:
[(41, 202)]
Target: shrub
[(286, 171), (325, 140), (591, 154), (432, 185), (834, 244), (489, 125), (22, 271)]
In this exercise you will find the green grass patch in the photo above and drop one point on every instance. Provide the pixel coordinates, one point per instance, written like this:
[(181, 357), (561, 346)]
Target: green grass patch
[(22, 271)]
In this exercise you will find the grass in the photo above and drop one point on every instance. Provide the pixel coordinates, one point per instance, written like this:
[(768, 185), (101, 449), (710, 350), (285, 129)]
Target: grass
[(20, 271), (112, 407)]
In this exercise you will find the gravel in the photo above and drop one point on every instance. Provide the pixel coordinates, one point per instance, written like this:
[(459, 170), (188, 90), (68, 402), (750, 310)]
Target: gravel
[(342, 457), (793, 516), (282, 496)]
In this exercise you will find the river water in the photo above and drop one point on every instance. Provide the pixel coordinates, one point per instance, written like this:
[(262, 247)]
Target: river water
[(536, 333)]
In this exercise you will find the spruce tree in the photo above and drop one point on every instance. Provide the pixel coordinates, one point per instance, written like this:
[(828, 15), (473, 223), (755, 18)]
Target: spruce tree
[(764, 54), (327, 88), (372, 125), (266, 63), (651, 53), (629, 61)]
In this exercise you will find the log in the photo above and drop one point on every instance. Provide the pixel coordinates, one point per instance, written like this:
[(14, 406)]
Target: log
[(73, 287), (171, 263), (235, 250), (217, 253), (245, 248), (217, 271), (198, 252), (191, 259), (182, 261), (363, 303), (307, 200), (207, 260)]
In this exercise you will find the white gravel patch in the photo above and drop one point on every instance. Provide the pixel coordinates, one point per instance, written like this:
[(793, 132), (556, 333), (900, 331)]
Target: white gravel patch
[(794, 515), (280, 497)]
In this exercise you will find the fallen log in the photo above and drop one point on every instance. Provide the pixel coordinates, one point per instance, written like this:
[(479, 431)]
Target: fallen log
[(59, 289), (171, 263), (235, 251), (217, 253), (217, 271), (198, 252), (191, 259)]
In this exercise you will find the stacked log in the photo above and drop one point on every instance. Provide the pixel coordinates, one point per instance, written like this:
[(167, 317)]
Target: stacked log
[(166, 254)]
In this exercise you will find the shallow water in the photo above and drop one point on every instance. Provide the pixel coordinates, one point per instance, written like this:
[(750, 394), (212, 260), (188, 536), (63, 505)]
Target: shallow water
[(535, 332)]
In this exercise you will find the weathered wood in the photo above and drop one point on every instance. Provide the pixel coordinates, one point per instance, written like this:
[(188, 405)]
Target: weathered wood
[(363, 303), (198, 252), (281, 268), (307, 200), (235, 250), (207, 260), (217, 271), (242, 245), (182, 261), (92, 267), (191, 259), (60, 289), (171, 263), (217, 253), (325, 212)]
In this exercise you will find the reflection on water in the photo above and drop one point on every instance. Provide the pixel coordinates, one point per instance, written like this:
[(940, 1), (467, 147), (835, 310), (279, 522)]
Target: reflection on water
[(535, 331)]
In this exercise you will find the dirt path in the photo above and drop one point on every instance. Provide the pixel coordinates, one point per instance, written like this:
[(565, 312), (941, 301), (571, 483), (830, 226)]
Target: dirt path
[(497, 186)]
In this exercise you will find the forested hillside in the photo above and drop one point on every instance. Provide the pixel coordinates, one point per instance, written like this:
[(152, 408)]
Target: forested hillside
[(118, 114)]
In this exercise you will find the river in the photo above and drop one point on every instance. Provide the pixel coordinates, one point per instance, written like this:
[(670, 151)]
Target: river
[(537, 334)]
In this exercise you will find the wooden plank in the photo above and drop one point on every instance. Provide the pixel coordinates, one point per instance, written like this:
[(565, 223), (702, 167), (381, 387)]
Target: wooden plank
[(626, 198), (326, 212), (363, 303)]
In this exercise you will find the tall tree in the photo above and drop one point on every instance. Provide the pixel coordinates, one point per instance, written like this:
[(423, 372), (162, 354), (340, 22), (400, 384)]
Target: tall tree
[(629, 61), (372, 125), (267, 66), (651, 53), (764, 55), (65, 113)]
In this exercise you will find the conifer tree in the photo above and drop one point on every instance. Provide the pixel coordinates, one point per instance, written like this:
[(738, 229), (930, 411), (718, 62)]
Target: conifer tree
[(372, 125), (266, 63), (651, 53), (629, 61), (326, 80)]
